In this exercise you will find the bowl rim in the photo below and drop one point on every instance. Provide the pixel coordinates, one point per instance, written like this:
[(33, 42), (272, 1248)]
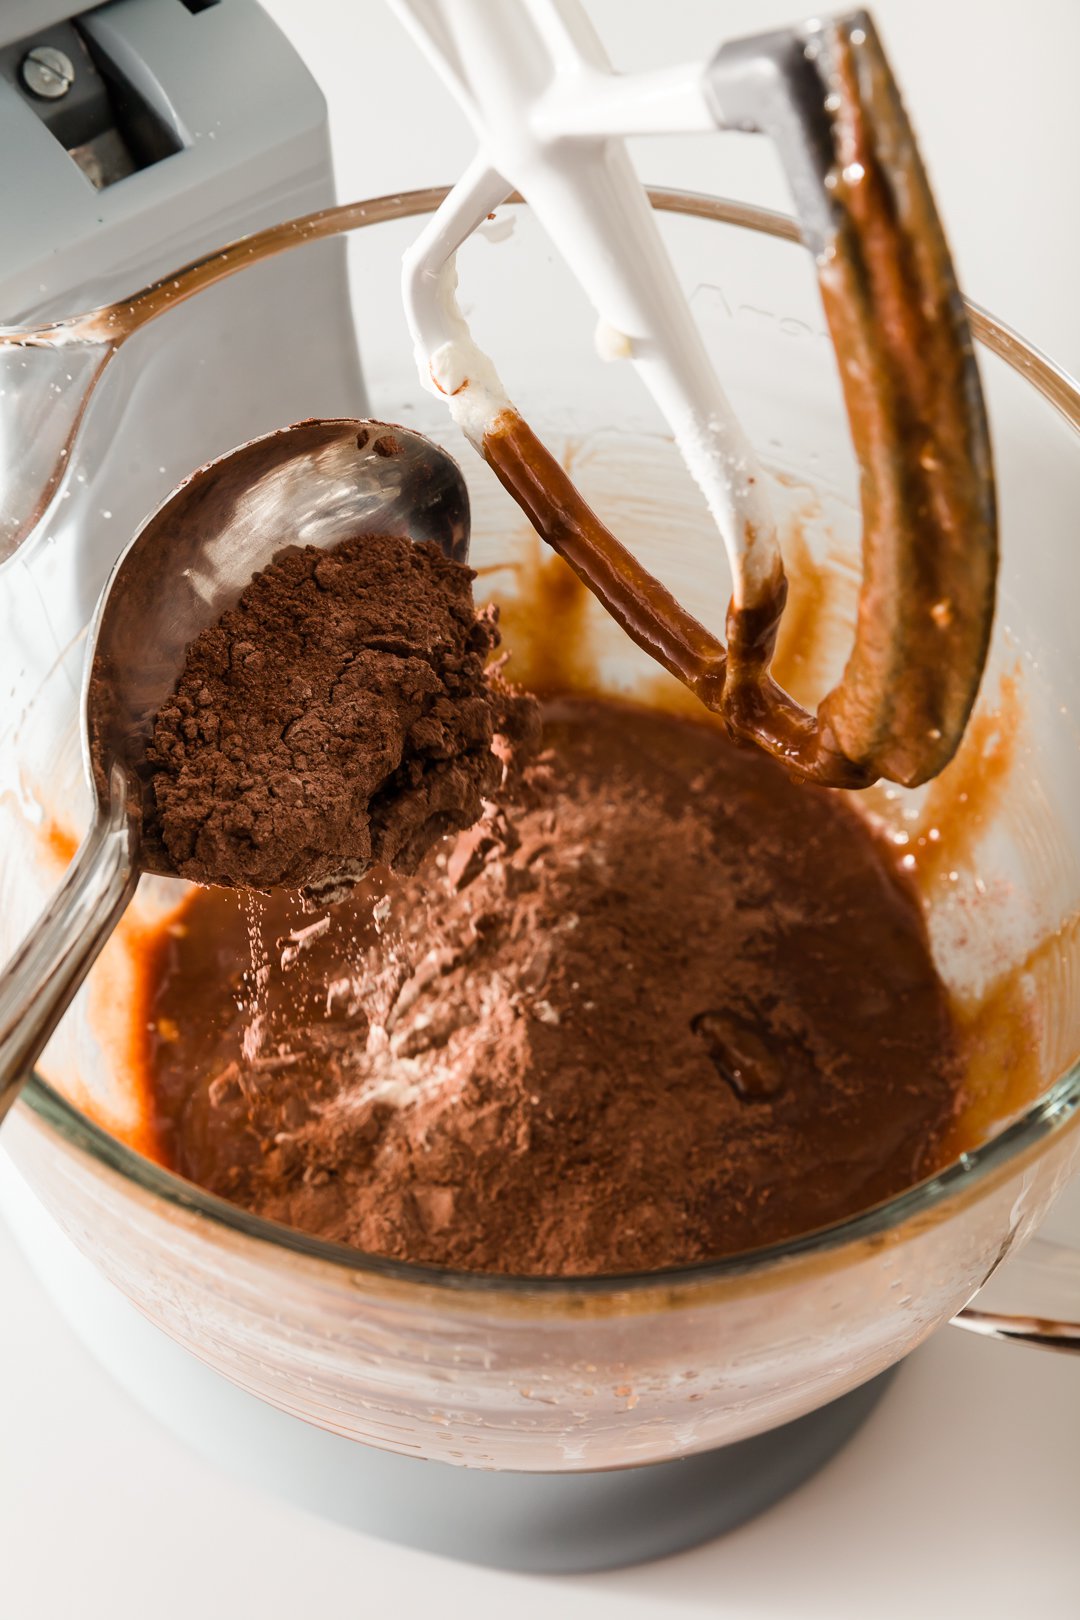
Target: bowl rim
[(1046, 1118)]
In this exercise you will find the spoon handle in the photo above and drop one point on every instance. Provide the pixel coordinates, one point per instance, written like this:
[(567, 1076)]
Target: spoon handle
[(63, 944)]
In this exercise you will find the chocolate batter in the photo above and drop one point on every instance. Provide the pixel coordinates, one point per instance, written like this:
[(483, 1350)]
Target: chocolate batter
[(338, 717), (660, 1006)]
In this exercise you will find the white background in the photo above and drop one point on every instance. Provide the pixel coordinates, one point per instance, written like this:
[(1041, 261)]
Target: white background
[(960, 1495)]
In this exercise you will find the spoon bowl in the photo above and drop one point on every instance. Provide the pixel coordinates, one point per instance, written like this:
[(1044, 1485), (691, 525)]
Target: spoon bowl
[(317, 483)]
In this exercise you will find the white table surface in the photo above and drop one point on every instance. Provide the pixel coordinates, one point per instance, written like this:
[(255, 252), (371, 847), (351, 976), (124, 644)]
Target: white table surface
[(959, 1497)]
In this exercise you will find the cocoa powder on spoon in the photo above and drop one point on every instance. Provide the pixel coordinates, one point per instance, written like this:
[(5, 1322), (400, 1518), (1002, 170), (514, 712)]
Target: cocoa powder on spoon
[(339, 716)]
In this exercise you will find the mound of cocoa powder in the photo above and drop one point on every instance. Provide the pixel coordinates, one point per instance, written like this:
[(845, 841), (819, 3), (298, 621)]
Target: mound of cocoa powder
[(661, 1005), (338, 717)]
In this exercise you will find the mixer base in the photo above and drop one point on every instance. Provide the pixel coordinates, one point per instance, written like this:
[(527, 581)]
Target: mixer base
[(545, 1523)]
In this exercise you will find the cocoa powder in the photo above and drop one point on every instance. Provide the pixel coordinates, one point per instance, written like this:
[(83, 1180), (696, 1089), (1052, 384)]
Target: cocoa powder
[(338, 717), (660, 1006)]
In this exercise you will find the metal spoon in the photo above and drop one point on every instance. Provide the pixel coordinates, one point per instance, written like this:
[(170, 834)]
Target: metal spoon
[(316, 483)]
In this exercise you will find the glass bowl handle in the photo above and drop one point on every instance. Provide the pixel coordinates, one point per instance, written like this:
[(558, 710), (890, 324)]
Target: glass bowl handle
[(1046, 1272)]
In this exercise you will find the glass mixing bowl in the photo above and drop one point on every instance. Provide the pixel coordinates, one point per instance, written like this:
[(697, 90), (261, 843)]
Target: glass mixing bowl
[(594, 1373)]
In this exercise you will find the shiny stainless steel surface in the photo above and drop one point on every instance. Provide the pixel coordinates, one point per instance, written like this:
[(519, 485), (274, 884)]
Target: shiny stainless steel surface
[(315, 483)]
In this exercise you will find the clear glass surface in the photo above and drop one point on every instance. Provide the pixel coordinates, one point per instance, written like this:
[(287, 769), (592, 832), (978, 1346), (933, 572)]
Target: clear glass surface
[(602, 1372)]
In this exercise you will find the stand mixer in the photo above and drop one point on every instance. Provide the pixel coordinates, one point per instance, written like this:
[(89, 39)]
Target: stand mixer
[(215, 154), (513, 1517), (551, 118)]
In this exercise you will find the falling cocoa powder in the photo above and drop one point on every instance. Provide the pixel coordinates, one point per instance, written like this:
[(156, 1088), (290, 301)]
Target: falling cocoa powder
[(660, 1006), (338, 717)]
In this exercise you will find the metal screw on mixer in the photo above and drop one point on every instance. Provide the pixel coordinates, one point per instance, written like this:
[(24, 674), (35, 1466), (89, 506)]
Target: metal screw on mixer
[(47, 72)]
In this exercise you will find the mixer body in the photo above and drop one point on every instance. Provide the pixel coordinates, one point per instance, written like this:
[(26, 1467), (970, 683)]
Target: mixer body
[(171, 153)]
